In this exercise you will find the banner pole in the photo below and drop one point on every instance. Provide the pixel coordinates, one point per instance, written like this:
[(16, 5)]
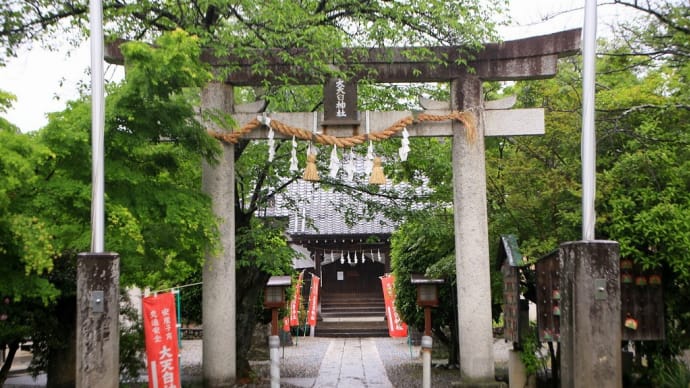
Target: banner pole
[(176, 292)]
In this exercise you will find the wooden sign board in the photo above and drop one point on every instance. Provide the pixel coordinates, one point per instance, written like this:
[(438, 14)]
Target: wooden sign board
[(340, 102), (548, 277), (642, 304)]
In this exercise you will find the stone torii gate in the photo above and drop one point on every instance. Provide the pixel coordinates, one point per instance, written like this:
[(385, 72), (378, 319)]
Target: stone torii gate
[(531, 58)]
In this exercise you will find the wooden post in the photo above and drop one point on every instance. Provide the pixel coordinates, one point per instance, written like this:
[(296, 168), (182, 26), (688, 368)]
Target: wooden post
[(219, 304)]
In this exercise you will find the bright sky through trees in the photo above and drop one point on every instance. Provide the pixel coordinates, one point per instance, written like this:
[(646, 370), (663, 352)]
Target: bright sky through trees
[(43, 81)]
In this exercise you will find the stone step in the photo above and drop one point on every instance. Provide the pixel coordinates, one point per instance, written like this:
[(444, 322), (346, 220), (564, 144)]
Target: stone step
[(353, 308), (346, 314), (352, 329)]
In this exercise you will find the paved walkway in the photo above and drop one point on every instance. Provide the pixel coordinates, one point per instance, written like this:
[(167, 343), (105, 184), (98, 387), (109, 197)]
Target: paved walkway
[(352, 363)]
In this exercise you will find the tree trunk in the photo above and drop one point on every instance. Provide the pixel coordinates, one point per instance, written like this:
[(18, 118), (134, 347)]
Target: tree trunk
[(453, 349), (5, 370), (62, 361), (250, 284)]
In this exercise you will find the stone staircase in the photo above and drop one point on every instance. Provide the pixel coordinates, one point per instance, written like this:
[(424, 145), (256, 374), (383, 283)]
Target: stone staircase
[(352, 315)]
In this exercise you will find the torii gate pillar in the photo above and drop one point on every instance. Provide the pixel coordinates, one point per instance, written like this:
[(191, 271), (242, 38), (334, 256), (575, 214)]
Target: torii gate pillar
[(471, 238), (218, 304)]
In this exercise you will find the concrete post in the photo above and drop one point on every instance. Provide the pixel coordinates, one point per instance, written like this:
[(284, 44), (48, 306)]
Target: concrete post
[(427, 343), (517, 377), (274, 349), (471, 239), (98, 311), (219, 305), (590, 315)]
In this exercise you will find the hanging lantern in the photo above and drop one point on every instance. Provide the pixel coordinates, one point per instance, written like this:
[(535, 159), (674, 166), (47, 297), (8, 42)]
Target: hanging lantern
[(377, 177)]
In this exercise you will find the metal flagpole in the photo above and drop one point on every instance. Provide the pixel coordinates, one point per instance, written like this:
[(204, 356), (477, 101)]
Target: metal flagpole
[(588, 149), (97, 125)]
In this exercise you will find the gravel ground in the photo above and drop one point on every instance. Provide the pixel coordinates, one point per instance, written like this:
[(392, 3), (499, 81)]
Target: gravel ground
[(300, 363)]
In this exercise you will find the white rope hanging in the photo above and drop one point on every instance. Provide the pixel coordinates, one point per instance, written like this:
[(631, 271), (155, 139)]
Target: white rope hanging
[(271, 145), (293, 156), (404, 149), (350, 166), (369, 162), (334, 167)]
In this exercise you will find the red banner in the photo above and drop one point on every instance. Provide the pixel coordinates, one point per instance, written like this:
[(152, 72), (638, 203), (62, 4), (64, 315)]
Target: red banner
[(160, 333), (396, 327), (286, 324), (295, 302), (313, 300)]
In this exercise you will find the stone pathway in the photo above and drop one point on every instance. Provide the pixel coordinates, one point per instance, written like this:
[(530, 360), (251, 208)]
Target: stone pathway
[(352, 363)]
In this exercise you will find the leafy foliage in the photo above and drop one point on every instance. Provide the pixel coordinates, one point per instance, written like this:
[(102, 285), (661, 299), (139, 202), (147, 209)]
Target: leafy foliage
[(421, 242)]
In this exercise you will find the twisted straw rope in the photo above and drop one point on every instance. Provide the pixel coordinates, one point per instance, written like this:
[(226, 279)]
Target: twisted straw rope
[(466, 118)]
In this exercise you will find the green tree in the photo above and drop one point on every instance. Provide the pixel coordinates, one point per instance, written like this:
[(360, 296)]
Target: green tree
[(642, 152), (425, 241), (158, 219), (26, 245), (303, 34)]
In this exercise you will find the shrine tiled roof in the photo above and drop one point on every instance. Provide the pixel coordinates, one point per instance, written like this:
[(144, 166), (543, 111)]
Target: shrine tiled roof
[(323, 212)]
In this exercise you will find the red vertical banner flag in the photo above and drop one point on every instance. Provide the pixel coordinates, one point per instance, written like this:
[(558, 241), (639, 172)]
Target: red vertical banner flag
[(396, 327), (295, 302), (313, 301), (160, 334)]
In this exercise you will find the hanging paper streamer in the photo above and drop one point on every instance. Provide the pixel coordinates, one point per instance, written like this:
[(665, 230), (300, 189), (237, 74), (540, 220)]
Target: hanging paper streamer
[(369, 162), (271, 145), (350, 166), (404, 149), (293, 156), (335, 163)]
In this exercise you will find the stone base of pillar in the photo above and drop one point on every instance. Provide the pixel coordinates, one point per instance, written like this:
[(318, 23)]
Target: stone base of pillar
[(590, 315), (517, 377), (98, 311)]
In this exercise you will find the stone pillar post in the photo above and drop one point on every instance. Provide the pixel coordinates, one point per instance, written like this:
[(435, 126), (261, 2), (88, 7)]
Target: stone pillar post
[(471, 238), (590, 315), (274, 355), (219, 304), (98, 312)]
